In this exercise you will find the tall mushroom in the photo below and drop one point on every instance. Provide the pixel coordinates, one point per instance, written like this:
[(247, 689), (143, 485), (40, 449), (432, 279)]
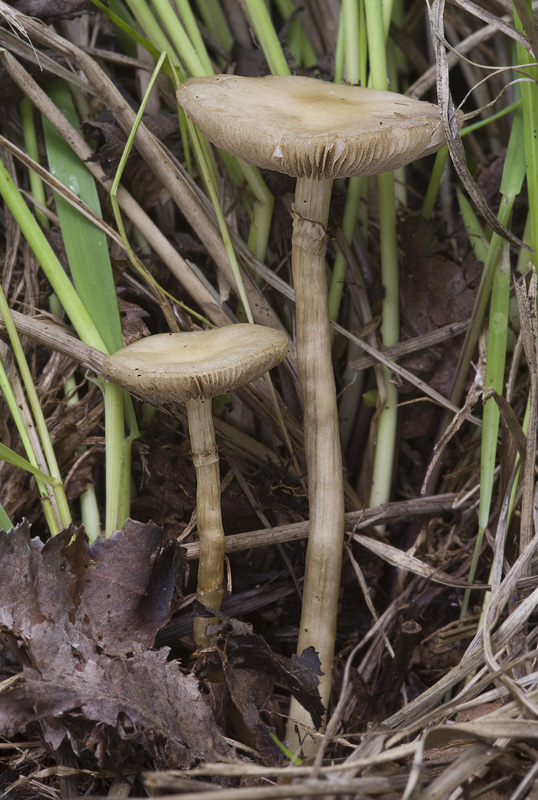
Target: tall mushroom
[(192, 368), (314, 131)]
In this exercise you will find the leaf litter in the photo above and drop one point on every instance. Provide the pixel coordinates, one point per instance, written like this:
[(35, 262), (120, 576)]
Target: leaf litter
[(82, 629), (84, 623)]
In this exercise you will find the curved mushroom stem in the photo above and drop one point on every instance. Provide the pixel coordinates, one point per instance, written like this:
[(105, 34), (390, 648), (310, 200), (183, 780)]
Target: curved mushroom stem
[(205, 457), (322, 440)]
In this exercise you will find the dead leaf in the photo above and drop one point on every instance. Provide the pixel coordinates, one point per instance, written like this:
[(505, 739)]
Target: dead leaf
[(250, 670), (133, 327), (142, 698), (111, 140), (83, 622)]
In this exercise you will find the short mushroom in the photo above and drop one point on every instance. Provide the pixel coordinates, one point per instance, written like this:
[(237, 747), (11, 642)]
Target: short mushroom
[(314, 131), (192, 368)]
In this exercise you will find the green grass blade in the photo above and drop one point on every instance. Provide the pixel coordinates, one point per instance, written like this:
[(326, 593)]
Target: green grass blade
[(127, 33), (184, 47), (184, 44), (89, 508), (267, 37), (5, 522), (352, 65), (194, 35), (297, 40), (514, 169), (45, 444), (8, 455), (30, 143), (144, 15), (511, 184), (86, 246), (125, 24), (89, 262), (434, 183), (515, 174), (62, 286), (529, 99), (390, 323), (53, 519), (215, 21)]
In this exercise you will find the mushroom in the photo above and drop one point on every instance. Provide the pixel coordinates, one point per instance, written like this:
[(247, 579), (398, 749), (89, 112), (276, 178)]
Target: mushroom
[(192, 368), (314, 131)]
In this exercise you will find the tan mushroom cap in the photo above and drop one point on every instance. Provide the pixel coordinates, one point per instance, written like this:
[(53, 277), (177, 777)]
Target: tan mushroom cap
[(310, 128), (176, 367)]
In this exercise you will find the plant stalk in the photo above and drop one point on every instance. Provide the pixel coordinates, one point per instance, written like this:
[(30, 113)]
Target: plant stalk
[(322, 442), (205, 456)]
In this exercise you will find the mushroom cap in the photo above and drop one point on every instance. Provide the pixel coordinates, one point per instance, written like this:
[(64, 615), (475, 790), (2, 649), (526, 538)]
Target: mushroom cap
[(310, 128), (176, 367)]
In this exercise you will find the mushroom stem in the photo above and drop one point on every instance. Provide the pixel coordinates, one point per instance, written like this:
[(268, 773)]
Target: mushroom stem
[(205, 456), (322, 440)]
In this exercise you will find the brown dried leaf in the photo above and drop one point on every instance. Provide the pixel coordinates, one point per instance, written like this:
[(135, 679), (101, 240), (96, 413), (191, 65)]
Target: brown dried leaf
[(111, 140), (144, 698), (84, 620), (132, 325), (132, 579), (250, 670)]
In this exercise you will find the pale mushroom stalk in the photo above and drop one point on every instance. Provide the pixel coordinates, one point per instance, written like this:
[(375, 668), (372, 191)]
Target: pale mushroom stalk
[(322, 440), (205, 457), (192, 368)]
